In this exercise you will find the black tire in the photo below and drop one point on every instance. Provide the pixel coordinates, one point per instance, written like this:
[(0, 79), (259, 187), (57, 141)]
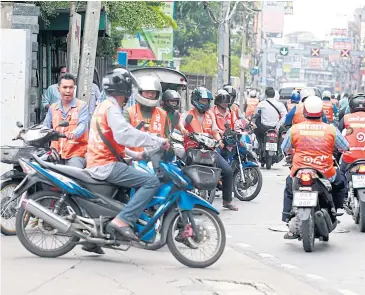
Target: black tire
[(237, 178), (308, 233), (6, 184), (362, 216), (197, 264), (208, 195), (24, 240), (269, 160)]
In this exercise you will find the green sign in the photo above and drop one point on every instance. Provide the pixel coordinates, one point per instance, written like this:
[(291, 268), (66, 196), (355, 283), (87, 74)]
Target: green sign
[(284, 51)]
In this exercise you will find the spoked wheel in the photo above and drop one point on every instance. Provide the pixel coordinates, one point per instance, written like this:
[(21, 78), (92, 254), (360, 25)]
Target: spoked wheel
[(8, 211), (39, 237), (248, 190), (201, 247)]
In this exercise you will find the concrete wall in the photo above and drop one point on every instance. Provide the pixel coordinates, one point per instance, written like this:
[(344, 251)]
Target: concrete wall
[(25, 16)]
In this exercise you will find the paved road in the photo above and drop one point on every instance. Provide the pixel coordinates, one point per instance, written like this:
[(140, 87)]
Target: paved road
[(256, 261)]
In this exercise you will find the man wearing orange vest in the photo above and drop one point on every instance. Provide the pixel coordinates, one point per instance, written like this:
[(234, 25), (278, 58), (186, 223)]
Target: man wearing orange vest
[(204, 122), (155, 118), (314, 142), (103, 164), (72, 149), (251, 104), (354, 124), (221, 112), (329, 109)]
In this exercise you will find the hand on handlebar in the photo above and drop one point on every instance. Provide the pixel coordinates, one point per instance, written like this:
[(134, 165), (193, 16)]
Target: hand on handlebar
[(166, 145), (185, 132), (70, 135)]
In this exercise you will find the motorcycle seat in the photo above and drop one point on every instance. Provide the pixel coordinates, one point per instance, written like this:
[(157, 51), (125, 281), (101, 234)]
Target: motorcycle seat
[(72, 172)]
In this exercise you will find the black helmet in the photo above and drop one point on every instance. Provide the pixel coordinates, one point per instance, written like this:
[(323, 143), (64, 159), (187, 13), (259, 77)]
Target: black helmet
[(119, 82), (197, 94), (167, 97), (231, 91), (222, 97), (357, 103)]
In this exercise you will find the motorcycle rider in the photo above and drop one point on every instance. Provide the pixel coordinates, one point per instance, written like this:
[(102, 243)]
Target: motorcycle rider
[(269, 114), (294, 100), (296, 115), (344, 102), (354, 123), (251, 104), (103, 164), (73, 148), (313, 142), (204, 122), (171, 103), (329, 108), (146, 110), (334, 100), (221, 111)]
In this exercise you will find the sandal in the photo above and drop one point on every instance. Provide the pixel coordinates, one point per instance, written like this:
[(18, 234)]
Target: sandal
[(230, 206), (290, 236)]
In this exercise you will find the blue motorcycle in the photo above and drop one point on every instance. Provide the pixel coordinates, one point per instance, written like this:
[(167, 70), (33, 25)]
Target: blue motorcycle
[(247, 177), (82, 207)]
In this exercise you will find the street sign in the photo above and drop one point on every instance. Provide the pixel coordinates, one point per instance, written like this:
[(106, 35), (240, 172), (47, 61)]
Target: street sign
[(284, 51), (315, 52), (345, 52), (123, 58)]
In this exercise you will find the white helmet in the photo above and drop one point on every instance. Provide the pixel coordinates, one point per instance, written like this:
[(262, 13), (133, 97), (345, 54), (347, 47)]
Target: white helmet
[(305, 92), (253, 93), (326, 94), (313, 106), (148, 83)]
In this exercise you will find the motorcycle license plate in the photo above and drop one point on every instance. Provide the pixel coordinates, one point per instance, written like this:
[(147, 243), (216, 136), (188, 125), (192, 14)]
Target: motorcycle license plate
[(358, 181), (305, 199), (271, 146)]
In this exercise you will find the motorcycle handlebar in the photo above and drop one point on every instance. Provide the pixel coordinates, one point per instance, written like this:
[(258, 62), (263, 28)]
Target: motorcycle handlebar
[(149, 153)]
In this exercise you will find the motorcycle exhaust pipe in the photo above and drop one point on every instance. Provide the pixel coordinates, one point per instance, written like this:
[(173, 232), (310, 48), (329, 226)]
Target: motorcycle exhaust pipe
[(49, 217), (328, 220), (321, 224)]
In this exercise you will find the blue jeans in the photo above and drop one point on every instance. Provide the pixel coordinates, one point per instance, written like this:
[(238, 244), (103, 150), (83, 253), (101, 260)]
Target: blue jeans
[(126, 176)]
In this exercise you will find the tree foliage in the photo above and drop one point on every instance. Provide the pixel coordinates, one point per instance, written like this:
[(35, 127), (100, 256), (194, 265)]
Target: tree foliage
[(195, 28), (201, 60)]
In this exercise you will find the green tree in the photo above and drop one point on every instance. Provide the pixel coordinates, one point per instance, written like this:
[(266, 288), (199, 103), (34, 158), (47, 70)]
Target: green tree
[(201, 60), (195, 28)]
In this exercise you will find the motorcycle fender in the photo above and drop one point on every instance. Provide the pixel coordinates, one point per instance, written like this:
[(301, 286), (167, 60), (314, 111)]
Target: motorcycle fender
[(190, 200), (13, 174), (249, 164), (361, 194), (304, 213)]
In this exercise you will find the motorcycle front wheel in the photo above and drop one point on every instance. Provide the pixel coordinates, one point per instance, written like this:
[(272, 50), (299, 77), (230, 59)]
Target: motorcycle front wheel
[(251, 188), (8, 211)]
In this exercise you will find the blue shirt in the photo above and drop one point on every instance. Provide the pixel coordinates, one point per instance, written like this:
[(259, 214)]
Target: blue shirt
[(289, 117), (82, 122)]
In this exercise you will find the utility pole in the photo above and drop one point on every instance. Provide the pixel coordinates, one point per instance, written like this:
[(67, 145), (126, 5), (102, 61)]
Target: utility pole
[(69, 35), (223, 45), (89, 44), (243, 56)]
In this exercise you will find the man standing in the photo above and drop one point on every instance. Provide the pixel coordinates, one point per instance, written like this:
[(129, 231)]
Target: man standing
[(73, 148)]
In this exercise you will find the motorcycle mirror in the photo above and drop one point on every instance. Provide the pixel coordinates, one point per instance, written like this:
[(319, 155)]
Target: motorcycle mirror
[(188, 119), (19, 125), (63, 124), (140, 125)]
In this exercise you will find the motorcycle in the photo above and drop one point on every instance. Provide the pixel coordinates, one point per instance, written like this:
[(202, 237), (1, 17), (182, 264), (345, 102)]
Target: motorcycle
[(243, 160), (36, 139), (269, 149), (62, 214), (313, 214), (355, 204)]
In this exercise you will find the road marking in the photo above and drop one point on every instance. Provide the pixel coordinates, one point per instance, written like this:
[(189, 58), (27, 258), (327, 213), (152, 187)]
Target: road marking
[(347, 292), (265, 255), (289, 266), (314, 277), (243, 245)]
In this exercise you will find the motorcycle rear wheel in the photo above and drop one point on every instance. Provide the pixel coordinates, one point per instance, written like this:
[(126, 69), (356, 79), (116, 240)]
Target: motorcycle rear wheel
[(307, 233)]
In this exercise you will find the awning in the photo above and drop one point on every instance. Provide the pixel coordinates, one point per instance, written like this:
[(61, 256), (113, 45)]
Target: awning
[(138, 53)]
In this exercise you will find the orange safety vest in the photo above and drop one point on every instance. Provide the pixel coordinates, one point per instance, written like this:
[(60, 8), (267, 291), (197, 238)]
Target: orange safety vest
[(251, 106), (313, 142), (69, 148), (355, 121), (195, 126), (299, 115), (328, 110), (290, 105), (157, 123), (222, 119), (235, 111), (98, 154)]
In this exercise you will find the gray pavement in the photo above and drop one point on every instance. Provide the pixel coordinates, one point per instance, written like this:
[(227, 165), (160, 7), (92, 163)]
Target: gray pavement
[(256, 261)]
